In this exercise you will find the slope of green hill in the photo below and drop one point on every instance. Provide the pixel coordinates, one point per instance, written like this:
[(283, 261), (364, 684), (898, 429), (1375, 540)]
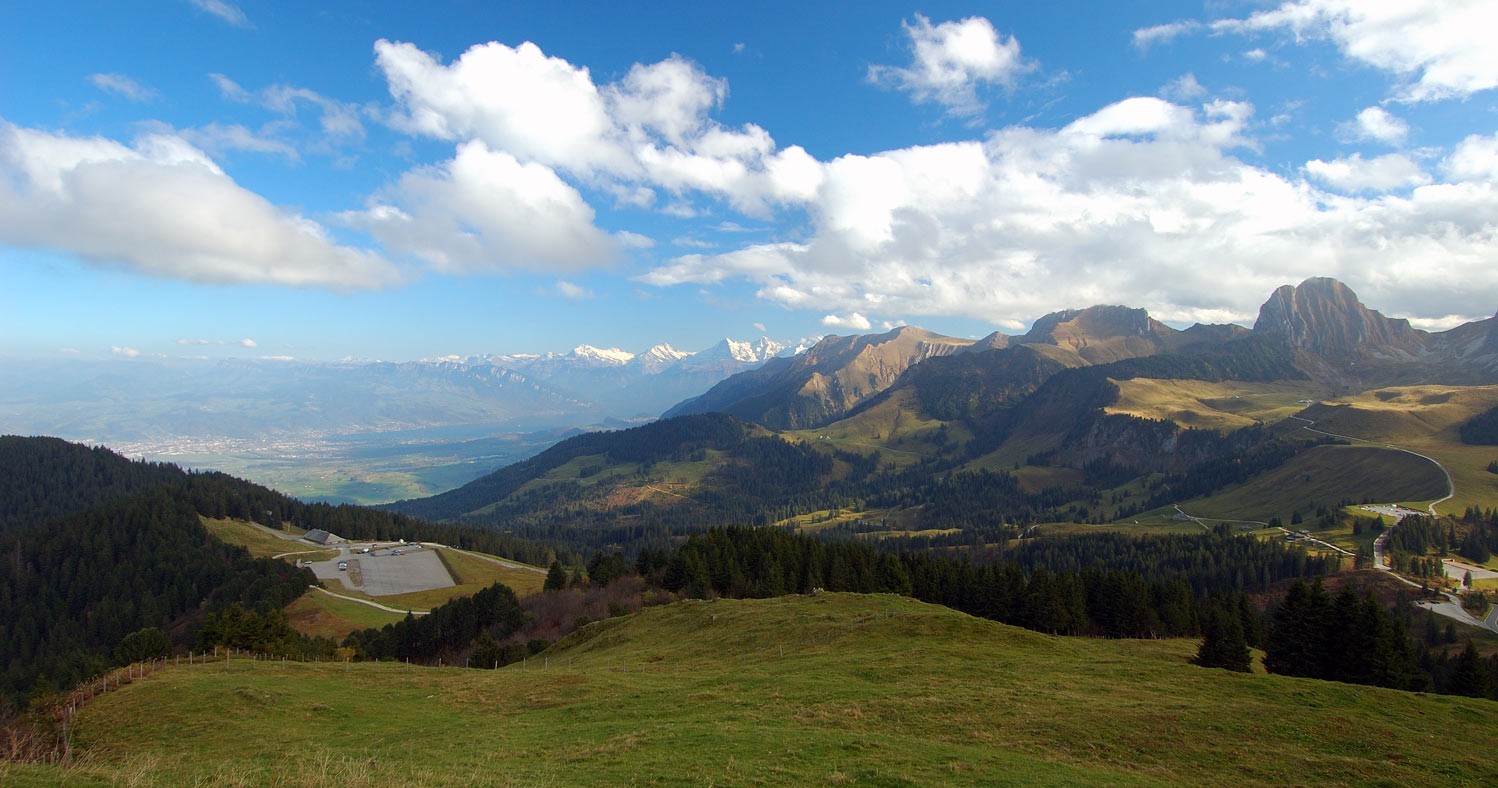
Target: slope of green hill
[(831, 689), (1326, 475)]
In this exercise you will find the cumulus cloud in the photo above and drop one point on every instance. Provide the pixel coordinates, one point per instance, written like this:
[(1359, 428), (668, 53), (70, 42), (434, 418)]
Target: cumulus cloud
[(854, 321), (127, 352), (1475, 160), (1375, 123), (224, 10), (123, 86), (162, 207), (486, 210), (1440, 48), (950, 60), (515, 111), (1142, 202), (1354, 173)]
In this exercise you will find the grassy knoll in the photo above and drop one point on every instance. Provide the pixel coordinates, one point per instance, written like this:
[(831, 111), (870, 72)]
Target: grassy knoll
[(827, 690), (262, 544), (1215, 406), (315, 613)]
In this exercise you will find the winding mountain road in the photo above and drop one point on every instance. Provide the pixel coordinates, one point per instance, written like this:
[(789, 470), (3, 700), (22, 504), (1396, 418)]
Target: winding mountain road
[(1452, 606)]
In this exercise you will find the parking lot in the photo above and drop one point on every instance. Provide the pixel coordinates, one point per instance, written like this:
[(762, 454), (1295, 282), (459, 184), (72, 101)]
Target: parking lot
[(387, 570)]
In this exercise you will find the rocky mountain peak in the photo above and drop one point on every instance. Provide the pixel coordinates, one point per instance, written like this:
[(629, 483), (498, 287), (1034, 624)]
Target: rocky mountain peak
[(1324, 316)]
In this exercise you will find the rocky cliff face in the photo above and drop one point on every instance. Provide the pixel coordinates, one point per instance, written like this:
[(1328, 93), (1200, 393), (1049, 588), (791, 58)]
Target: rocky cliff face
[(1325, 317), (1337, 338)]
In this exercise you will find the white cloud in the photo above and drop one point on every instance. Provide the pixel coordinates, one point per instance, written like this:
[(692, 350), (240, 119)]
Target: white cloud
[(230, 89), (1441, 48), (1146, 37), (1142, 202), (68, 351), (567, 289), (854, 321), (224, 10), (1256, 55), (240, 342), (220, 138), (163, 207), (631, 240), (1354, 173), (647, 133), (760, 327), (486, 210), (1375, 123), (950, 60), (1183, 88), (338, 120), (1474, 160), (123, 86), (127, 352)]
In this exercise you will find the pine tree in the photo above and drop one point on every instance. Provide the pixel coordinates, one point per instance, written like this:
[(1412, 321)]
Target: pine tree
[(1470, 676), (556, 577), (1222, 645)]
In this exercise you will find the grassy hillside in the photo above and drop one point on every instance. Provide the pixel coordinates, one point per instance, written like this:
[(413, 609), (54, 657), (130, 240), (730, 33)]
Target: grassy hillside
[(1326, 475), (826, 690), (1423, 419), (1226, 405)]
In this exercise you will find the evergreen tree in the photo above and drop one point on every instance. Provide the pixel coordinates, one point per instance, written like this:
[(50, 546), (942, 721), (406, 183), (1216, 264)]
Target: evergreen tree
[(556, 577), (1222, 645), (1470, 676), (141, 645)]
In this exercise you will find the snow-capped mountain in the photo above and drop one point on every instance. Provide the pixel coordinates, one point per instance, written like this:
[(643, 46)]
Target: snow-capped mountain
[(626, 384), (756, 352)]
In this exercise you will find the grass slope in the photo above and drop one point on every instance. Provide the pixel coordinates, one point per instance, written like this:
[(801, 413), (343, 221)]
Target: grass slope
[(827, 690), (263, 544), (315, 613), (1423, 419), (1326, 475), (1225, 406)]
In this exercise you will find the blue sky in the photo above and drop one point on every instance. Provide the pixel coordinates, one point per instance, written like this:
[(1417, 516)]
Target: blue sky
[(210, 178)]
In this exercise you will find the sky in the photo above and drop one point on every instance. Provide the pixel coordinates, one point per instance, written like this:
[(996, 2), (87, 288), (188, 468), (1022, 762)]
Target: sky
[(399, 181)]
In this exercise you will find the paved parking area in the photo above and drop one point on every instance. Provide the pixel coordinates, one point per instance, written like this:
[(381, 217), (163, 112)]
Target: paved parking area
[(385, 573)]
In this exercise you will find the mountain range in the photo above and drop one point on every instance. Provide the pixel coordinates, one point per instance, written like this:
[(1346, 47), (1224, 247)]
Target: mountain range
[(1094, 415), (1328, 334)]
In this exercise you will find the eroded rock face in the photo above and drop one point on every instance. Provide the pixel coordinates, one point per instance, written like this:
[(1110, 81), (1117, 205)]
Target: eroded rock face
[(1325, 317)]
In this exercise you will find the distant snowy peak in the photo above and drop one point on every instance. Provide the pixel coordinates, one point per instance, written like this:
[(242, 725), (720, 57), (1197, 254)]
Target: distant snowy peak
[(758, 351), (611, 356), (664, 352)]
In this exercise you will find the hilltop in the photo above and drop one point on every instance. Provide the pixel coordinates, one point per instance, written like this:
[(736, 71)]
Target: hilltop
[(830, 689)]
